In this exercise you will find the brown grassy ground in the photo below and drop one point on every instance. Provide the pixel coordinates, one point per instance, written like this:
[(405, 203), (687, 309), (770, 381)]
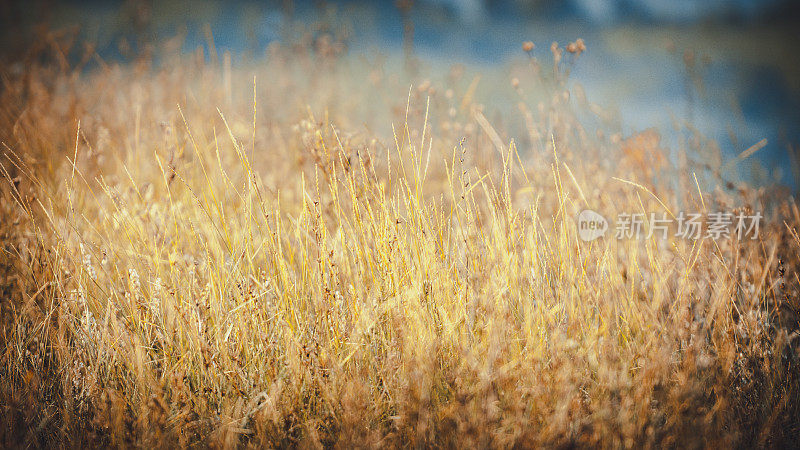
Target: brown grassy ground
[(304, 252)]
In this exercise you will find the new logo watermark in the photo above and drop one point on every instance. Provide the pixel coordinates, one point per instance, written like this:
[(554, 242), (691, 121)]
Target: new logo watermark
[(713, 225), (591, 225)]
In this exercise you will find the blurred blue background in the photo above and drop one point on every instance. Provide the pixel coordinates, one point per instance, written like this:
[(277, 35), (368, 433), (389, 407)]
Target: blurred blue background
[(745, 52)]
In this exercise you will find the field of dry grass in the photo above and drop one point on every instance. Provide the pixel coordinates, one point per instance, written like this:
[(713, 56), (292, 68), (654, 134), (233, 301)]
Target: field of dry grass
[(302, 251)]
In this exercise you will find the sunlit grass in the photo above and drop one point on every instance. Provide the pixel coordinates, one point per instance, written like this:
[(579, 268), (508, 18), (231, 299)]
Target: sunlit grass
[(307, 251)]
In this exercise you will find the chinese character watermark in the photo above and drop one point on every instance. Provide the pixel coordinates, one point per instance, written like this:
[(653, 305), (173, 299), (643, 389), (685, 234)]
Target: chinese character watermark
[(713, 225)]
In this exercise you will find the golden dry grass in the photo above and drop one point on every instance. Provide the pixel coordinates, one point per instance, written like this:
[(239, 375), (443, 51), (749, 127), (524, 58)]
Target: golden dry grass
[(304, 252)]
